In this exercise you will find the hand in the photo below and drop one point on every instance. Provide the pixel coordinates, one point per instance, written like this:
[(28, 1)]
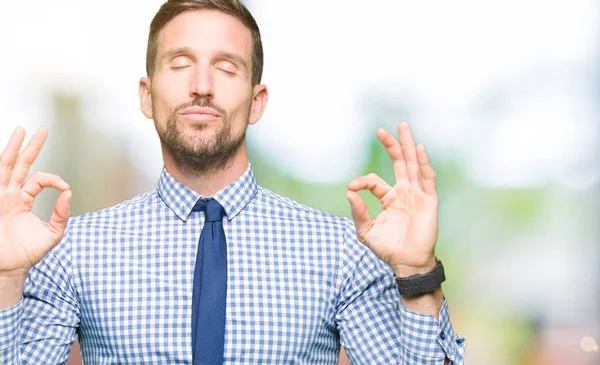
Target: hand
[(404, 234), (24, 238)]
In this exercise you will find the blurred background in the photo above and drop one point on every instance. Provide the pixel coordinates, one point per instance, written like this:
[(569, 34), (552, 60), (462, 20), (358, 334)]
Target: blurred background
[(504, 94)]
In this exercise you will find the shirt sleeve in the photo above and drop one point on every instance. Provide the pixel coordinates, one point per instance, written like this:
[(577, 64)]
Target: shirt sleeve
[(42, 327), (374, 326)]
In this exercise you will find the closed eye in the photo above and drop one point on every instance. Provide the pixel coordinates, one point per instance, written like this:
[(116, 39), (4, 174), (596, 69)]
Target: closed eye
[(180, 62), (179, 67), (226, 71), (226, 66)]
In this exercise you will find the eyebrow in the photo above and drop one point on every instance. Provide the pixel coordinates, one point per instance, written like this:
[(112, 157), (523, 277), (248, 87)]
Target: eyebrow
[(186, 50), (175, 51)]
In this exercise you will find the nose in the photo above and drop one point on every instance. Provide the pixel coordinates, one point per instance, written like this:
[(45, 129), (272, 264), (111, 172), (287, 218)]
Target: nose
[(201, 83)]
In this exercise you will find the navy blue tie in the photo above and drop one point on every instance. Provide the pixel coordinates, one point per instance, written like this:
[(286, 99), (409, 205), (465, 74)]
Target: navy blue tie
[(210, 287)]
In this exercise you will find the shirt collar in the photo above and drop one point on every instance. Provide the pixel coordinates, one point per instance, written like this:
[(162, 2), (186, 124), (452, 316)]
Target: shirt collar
[(181, 199)]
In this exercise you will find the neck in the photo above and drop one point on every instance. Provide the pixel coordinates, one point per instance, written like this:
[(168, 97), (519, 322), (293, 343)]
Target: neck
[(209, 183)]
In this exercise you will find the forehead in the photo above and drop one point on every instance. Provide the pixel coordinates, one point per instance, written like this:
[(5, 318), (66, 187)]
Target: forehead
[(206, 31)]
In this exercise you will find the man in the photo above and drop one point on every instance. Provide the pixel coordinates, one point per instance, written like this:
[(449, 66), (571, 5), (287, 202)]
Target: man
[(210, 268)]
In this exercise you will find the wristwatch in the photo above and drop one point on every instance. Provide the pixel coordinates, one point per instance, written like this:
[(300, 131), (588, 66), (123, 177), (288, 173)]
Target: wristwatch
[(422, 283)]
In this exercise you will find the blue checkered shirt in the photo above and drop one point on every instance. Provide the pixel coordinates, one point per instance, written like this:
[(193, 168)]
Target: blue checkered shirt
[(299, 285)]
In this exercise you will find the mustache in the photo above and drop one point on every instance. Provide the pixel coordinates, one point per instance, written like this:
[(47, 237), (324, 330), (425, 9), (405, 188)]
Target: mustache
[(201, 102)]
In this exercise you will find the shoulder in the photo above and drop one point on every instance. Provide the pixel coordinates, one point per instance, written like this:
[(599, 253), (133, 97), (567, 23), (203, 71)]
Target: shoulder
[(273, 204), (144, 202), (283, 209)]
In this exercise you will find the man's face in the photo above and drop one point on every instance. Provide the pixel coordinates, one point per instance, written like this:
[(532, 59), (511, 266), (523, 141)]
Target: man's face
[(201, 91)]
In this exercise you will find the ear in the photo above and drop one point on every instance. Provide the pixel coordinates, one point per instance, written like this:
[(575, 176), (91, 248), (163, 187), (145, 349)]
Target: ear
[(260, 96), (145, 94)]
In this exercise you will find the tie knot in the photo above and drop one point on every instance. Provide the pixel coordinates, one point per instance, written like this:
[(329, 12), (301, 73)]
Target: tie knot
[(213, 210)]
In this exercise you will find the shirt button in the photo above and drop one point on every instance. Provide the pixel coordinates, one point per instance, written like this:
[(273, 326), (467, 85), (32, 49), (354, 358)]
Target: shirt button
[(442, 335)]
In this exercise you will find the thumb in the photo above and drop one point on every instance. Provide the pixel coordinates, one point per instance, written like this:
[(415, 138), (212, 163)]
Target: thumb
[(60, 215), (360, 214)]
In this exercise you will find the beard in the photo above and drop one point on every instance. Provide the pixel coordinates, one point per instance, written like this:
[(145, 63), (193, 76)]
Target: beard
[(200, 153)]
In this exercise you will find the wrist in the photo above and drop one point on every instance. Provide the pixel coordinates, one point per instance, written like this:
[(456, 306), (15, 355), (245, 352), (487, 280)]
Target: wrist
[(404, 271), (426, 303), (11, 289)]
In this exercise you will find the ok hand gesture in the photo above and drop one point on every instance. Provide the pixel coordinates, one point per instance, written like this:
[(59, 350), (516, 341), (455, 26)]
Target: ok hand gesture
[(24, 238), (404, 234)]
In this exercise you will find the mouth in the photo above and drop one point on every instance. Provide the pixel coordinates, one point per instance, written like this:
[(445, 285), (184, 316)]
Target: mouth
[(199, 114)]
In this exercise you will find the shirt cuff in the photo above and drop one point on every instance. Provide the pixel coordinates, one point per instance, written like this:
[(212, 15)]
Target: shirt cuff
[(9, 325), (423, 336)]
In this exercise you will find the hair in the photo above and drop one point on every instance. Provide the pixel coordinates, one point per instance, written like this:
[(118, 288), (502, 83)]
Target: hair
[(235, 8)]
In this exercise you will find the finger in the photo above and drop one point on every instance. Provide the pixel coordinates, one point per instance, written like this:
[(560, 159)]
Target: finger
[(372, 182), (28, 156), (60, 215), (428, 176), (409, 151), (41, 180), (10, 154), (393, 148), (360, 214)]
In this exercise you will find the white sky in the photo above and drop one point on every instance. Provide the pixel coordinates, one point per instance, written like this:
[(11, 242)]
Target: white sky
[(321, 66)]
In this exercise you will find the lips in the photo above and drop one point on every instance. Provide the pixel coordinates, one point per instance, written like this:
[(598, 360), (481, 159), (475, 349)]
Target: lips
[(200, 112)]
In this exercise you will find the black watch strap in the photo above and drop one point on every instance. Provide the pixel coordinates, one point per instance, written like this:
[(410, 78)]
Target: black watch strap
[(422, 283)]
